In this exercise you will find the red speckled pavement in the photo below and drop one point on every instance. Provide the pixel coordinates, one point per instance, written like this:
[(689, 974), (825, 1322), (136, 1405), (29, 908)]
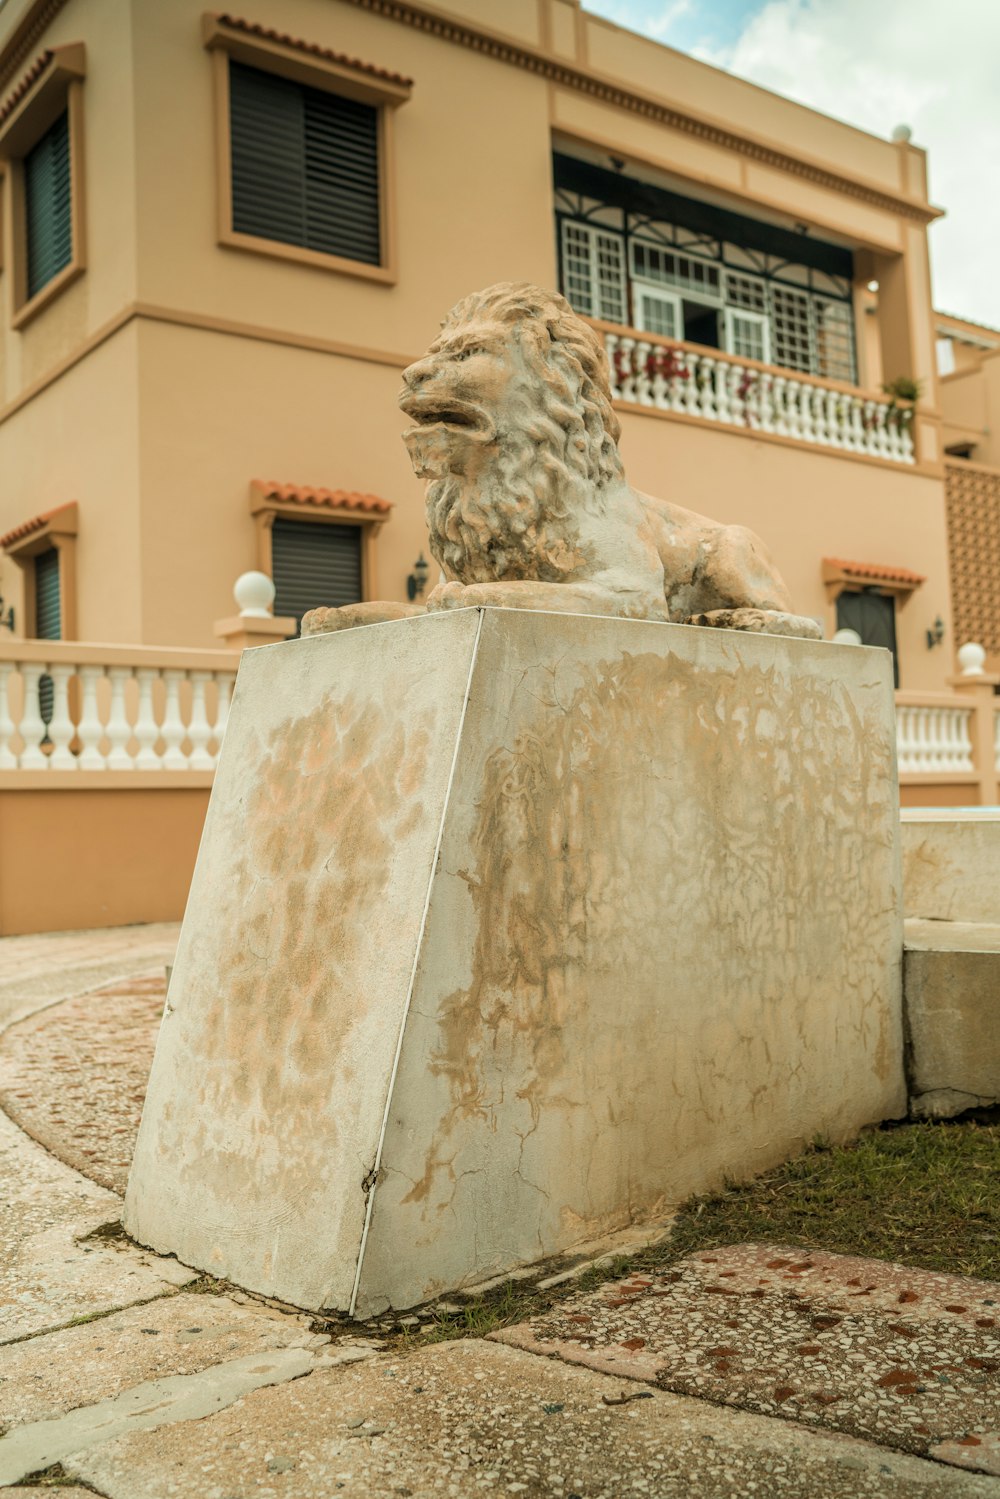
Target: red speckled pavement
[(909, 1358)]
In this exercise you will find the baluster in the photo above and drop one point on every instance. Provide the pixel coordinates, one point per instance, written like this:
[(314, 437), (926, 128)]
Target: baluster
[(642, 376), (818, 413), (611, 348), (892, 438), (676, 380), (90, 730), (691, 388), (198, 728), (793, 408), (751, 384), (661, 387), (834, 429), (60, 724), (904, 739), (964, 717), (224, 681), (765, 384), (737, 405), (32, 725), (869, 421), (858, 424), (722, 409), (119, 729), (147, 730), (780, 411), (8, 759), (883, 440), (706, 375), (806, 428), (172, 729), (627, 348), (996, 739), (907, 444)]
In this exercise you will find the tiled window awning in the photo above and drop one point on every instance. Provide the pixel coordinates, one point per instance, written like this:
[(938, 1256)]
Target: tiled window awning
[(265, 494), (63, 520), (836, 570)]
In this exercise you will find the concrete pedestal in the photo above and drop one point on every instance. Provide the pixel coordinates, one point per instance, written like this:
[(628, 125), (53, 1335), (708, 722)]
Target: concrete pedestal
[(509, 929)]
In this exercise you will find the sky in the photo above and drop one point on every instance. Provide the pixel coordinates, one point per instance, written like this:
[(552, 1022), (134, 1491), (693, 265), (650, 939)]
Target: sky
[(929, 64)]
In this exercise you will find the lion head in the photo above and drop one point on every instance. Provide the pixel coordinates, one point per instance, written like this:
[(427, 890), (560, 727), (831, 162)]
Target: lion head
[(514, 429)]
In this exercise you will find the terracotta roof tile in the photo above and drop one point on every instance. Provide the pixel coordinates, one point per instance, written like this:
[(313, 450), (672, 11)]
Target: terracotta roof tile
[(267, 33), (326, 499), (14, 98), (37, 523), (877, 571)]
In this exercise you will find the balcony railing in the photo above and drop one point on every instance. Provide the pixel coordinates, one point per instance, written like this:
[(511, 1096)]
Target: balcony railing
[(76, 708), (716, 387)]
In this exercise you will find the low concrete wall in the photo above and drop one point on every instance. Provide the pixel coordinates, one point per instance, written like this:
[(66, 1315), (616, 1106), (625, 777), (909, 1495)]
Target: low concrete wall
[(951, 863), (952, 978), (95, 856), (511, 929)]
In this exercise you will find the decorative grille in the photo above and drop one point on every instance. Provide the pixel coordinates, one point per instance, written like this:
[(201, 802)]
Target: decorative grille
[(792, 344), (594, 271), (973, 502)]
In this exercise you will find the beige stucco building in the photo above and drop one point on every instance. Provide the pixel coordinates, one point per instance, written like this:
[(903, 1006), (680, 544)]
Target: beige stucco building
[(224, 236)]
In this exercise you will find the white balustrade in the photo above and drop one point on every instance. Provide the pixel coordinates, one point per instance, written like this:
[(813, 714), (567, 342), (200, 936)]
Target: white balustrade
[(996, 740), (933, 738), (63, 708), (720, 388)]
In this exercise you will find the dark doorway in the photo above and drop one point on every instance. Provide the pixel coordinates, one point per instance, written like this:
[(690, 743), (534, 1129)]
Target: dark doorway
[(873, 616)]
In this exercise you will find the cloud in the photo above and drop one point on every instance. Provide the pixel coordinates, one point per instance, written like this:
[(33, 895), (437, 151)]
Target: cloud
[(881, 63)]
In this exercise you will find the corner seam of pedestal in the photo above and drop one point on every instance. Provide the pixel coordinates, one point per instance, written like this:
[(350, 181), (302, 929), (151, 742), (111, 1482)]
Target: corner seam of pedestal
[(376, 1166)]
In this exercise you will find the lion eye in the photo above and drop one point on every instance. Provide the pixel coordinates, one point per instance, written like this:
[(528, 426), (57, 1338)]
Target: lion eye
[(468, 353)]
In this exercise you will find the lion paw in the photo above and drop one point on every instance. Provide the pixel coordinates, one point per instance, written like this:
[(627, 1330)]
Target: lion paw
[(759, 621), (325, 621)]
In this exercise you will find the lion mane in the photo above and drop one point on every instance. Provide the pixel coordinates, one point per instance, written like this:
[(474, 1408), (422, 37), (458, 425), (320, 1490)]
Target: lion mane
[(556, 449)]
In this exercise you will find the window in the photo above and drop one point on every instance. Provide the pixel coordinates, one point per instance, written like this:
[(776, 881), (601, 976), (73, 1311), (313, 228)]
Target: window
[(304, 150), (652, 264), (834, 339), (305, 165), (747, 335), (791, 330), (658, 312), (314, 565), (41, 140), (594, 271), (873, 615), (48, 206)]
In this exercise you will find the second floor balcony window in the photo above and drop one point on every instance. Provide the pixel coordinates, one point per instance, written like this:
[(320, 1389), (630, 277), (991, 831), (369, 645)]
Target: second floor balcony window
[(634, 254)]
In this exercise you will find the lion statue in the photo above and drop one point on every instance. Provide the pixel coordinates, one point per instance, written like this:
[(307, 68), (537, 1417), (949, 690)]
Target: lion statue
[(528, 506)]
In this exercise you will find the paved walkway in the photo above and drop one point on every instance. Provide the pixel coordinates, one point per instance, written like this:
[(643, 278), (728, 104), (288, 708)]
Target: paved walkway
[(746, 1371)]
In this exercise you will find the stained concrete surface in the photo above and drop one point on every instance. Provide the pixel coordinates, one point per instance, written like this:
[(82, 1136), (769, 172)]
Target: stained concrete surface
[(951, 863), (466, 946), (906, 1357), (470, 1418)]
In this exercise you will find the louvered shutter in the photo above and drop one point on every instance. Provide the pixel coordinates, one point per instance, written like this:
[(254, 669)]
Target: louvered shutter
[(48, 206), (314, 564), (48, 604), (305, 167)]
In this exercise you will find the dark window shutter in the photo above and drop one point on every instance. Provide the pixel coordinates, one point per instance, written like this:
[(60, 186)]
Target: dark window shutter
[(48, 605), (305, 168), (873, 616), (314, 564), (48, 206)]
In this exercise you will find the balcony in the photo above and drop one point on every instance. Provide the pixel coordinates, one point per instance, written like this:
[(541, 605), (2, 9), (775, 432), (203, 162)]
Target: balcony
[(709, 385)]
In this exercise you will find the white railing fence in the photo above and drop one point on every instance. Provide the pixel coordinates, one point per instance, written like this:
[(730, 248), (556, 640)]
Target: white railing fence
[(66, 707), (718, 387), (933, 739)]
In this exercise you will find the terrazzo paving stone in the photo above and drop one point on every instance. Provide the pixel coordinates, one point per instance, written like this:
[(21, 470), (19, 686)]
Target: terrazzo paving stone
[(40, 969), (45, 1376), (908, 1358), (470, 1419), (74, 1075), (981, 1453), (46, 1276)]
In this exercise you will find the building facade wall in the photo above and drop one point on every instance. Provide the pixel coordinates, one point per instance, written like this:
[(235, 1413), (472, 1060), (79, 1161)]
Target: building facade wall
[(246, 366)]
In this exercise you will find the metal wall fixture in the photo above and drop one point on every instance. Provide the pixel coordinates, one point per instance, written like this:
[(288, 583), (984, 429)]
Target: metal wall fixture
[(417, 580), (935, 634)]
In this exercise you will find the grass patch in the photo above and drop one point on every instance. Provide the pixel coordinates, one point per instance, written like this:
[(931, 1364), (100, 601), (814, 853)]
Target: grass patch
[(925, 1194), (56, 1477)]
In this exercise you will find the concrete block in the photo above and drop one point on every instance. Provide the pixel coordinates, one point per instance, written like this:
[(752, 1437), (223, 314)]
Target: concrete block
[(952, 989), (951, 863), (511, 929)]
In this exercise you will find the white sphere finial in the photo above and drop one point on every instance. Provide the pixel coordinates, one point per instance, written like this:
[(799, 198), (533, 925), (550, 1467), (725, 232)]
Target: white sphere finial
[(971, 659), (902, 133), (846, 636), (254, 594)]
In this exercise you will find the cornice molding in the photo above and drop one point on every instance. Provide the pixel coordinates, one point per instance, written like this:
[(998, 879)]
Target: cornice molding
[(520, 55), (25, 37)]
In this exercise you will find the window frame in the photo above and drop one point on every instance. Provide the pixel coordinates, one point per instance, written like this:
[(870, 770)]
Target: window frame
[(311, 69), (759, 320), (56, 89), (58, 529), (658, 293), (265, 508)]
